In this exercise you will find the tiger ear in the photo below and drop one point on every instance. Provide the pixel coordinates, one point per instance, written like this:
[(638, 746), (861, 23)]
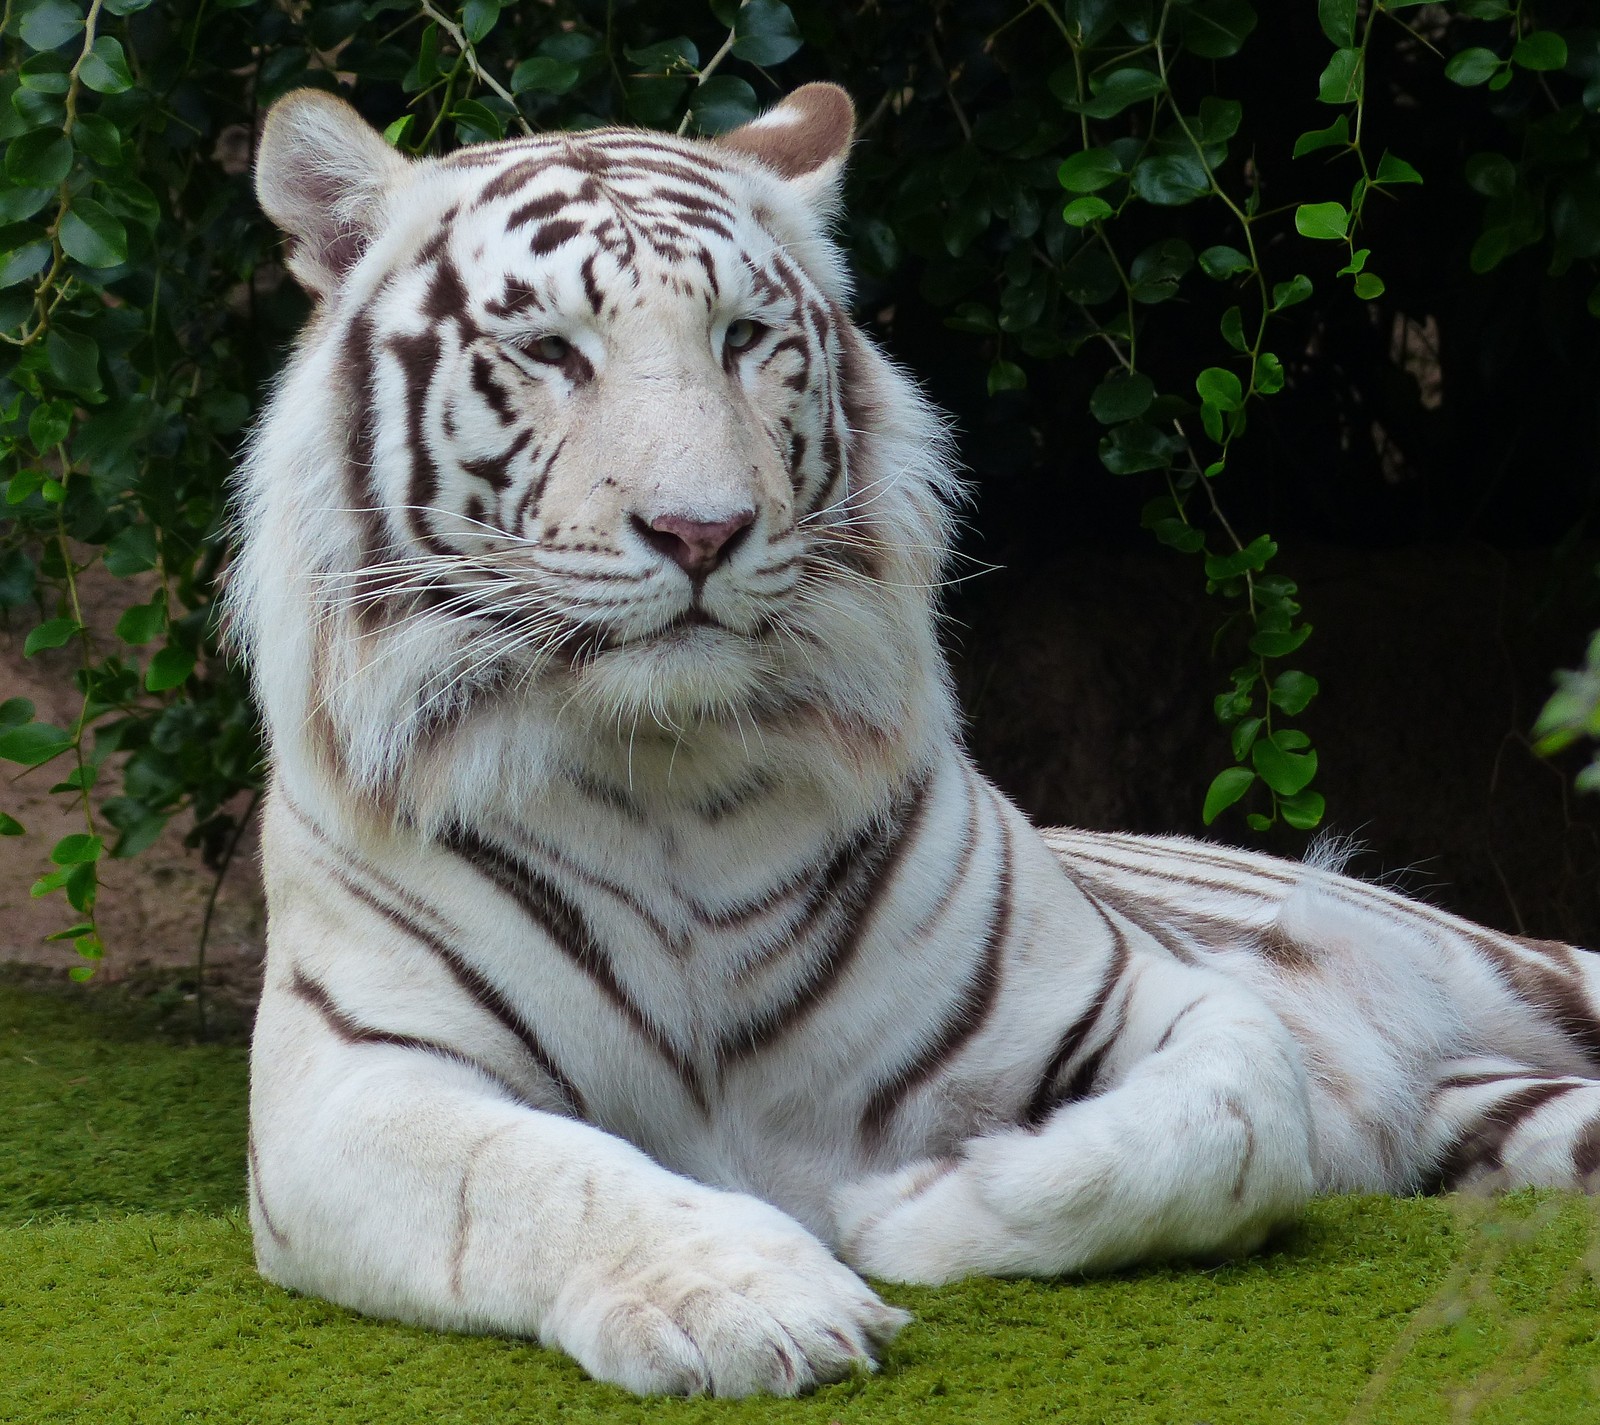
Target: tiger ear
[(322, 173), (803, 140)]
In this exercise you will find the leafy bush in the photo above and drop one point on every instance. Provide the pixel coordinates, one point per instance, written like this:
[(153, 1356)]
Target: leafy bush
[(1094, 199)]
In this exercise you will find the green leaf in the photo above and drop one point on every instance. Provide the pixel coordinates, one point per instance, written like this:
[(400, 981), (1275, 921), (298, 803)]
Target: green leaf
[(765, 33), (1473, 66), (72, 932), (1341, 81), (1244, 735), (1292, 292), (1226, 788), (40, 159), (1368, 286), (93, 236), (1269, 374), (1284, 771), (24, 252), (1156, 271), (677, 56), (1089, 171), (1223, 262), (1358, 260), (1277, 643), (476, 122), (1121, 397), (1139, 445), (1292, 690), (1169, 180), (972, 317), (1395, 170), (1324, 221), (77, 849), (1080, 212), (1233, 329), (397, 130), (10, 826), (478, 17), (544, 74), (15, 712), (33, 744), (1253, 557), (54, 634), (170, 667), (1219, 119), (105, 68), (46, 74), (1542, 50), (1215, 29), (1303, 810), (143, 622), (1219, 387), (74, 361), (1338, 21), (50, 24), (1006, 376), (96, 136), (1336, 135), (723, 103), (48, 424), (1117, 91), (1492, 174)]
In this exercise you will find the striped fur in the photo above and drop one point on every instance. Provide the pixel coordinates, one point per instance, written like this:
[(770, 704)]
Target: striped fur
[(642, 940)]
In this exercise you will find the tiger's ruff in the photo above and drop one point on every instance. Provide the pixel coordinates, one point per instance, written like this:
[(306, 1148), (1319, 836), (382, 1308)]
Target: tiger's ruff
[(641, 936)]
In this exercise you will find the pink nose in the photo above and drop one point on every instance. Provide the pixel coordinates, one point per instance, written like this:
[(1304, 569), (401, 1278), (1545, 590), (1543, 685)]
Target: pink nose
[(695, 546)]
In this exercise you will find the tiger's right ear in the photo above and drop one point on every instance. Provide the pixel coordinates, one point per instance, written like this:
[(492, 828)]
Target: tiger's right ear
[(322, 173)]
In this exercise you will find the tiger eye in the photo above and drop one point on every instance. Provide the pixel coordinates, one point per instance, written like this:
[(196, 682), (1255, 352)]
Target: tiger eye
[(552, 348), (742, 333)]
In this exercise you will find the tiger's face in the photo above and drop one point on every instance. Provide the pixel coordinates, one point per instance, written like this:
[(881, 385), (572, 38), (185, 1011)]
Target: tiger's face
[(588, 416)]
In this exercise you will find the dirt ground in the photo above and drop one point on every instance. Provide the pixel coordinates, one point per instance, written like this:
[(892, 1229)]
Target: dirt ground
[(150, 908)]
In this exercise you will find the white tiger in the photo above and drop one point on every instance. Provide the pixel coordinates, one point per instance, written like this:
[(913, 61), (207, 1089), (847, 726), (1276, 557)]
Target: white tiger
[(641, 936)]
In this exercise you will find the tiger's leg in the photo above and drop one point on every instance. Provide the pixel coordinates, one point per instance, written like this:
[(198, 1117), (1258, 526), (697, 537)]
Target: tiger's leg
[(416, 1184), (1496, 1124), (1183, 1129)]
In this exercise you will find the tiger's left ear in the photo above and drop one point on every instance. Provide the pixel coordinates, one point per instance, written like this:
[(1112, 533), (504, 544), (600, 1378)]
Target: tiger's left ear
[(804, 140)]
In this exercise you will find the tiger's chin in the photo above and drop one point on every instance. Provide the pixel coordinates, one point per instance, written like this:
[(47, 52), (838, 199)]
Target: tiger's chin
[(687, 673)]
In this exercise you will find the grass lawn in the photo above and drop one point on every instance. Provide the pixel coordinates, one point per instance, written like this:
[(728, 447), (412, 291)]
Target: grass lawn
[(127, 1293)]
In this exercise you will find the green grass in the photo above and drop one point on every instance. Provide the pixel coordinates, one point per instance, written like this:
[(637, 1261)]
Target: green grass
[(127, 1294)]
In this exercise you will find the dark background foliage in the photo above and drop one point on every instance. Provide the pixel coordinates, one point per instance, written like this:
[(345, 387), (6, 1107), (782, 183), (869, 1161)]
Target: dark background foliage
[(1353, 391)]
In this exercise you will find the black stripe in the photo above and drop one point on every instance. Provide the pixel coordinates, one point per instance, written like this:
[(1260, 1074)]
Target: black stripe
[(1044, 1098), (361, 495), (564, 923), (875, 866), (273, 1230), (1482, 1145), (470, 980), (1166, 1034), (967, 1016), (351, 1031), (959, 872)]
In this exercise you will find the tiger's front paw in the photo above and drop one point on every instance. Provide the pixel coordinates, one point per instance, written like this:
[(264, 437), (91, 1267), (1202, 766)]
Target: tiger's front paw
[(728, 1297)]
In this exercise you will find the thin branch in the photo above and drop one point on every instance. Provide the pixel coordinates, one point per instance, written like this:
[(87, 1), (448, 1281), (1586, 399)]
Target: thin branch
[(479, 72), (710, 69)]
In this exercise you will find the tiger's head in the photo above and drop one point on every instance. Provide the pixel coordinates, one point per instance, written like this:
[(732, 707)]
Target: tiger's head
[(580, 444)]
